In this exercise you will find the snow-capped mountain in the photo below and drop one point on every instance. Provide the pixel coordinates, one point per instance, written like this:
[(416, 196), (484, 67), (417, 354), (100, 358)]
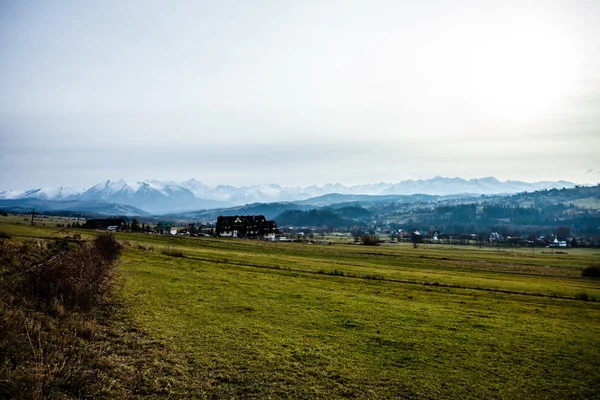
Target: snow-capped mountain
[(49, 193), (447, 186), (162, 197)]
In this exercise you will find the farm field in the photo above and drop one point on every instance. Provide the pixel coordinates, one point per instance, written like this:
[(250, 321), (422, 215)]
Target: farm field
[(290, 320), (39, 220)]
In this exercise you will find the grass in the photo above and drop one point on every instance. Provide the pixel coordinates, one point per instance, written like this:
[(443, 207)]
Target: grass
[(281, 333), (509, 271), (264, 319), (246, 319)]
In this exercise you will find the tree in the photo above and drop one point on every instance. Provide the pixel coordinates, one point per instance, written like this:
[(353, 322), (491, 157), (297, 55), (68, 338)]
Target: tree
[(370, 240), (164, 226), (416, 238), (563, 232), (135, 225)]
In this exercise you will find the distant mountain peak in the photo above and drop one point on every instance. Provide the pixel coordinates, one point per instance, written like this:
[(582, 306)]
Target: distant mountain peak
[(166, 196)]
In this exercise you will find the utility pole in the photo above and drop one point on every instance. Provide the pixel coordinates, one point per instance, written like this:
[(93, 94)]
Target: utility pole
[(33, 213)]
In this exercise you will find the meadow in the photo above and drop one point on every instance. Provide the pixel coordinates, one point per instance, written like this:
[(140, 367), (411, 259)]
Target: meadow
[(248, 319)]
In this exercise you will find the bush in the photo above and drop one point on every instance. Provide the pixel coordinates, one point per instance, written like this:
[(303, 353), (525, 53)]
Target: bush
[(591, 272), (49, 291), (370, 240), (78, 279), (582, 296), (4, 235), (172, 252), (145, 248), (108, 247)]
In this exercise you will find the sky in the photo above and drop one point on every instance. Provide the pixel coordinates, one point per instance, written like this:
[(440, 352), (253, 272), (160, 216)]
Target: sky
[(298, 92)]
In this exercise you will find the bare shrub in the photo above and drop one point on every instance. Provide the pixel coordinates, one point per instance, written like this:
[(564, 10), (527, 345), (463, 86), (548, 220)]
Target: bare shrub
[(145, 248), (78, 279), (591, 272), (172, 252), (108, 247), (582, 296), (48, 301)]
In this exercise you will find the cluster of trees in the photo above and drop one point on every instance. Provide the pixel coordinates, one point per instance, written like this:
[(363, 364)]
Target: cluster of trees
[(136, 227), (330, 217), (470, 218)]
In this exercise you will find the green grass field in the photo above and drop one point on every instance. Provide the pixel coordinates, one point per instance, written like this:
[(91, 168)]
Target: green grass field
[(291, 320)]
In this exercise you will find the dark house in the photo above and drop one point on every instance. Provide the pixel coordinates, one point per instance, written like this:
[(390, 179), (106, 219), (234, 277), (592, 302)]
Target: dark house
[(253, 226), (113, 224)]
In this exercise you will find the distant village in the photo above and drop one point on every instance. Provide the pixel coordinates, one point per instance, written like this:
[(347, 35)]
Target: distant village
[(257, 227), (547, 218)]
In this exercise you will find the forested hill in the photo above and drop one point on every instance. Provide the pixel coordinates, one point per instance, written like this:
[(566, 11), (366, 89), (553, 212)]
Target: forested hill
[(329, 217), (542, 211), (582, 196)]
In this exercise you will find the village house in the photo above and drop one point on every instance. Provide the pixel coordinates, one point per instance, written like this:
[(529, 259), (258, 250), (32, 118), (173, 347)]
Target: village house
[(251, 226), (558, 243)]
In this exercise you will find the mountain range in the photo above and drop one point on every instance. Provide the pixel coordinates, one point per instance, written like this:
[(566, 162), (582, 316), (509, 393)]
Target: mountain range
[(166, 196)]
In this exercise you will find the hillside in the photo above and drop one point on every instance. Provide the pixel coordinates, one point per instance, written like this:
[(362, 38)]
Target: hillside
[(67, 207), (540, 213)]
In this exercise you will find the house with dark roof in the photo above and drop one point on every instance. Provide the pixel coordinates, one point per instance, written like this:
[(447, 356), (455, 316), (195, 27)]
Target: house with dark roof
[(251, 226)]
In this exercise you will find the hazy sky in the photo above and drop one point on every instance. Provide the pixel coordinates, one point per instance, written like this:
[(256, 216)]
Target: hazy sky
[(298, 92)]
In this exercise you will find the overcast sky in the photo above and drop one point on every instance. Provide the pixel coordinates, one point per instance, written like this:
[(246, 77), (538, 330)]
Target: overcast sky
[(298, 92)]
